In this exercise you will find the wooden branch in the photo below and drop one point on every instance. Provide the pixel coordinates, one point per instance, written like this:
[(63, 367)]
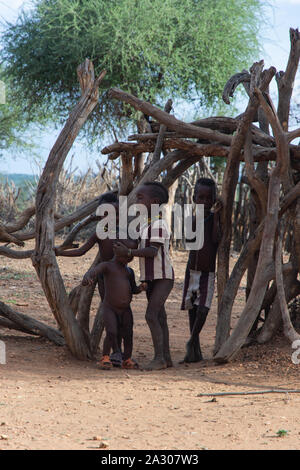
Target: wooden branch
[(80, 213), (30, 325), (170, 121), (177, 171), (293, 135), (256, 183), (161, 134), (97, 330), (126, 183), (13, 254), (195, 148), (23, 219), (225, 125), (285, 80), (289, 198), (251, 392), (44, 259), (233, 83), (68, 242), (228, 349), (274, 317), (155, 170), (7, 237), (288, 328), (283, 160), (230, 180)]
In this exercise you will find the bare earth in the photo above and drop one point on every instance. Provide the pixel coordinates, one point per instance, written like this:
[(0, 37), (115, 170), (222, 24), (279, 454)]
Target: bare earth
[(49, 400)]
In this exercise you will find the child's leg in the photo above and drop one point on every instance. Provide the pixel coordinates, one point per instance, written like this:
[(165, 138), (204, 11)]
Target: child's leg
[(127, 334), (193, 351), (157, 294), (111, 328), (165, 328)]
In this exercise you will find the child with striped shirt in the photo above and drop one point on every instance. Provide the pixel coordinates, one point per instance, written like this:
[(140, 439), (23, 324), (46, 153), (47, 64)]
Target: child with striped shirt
[(155, 269)]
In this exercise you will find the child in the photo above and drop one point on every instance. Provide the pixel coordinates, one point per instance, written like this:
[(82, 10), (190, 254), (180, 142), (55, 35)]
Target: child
[(156, 270), (105, 246), (119, 285), (106, 253), (200, 271)]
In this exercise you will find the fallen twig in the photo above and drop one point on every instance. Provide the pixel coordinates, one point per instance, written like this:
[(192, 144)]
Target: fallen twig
[(251, 392)]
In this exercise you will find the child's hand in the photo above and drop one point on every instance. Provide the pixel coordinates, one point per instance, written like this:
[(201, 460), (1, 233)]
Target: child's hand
[(88, 279), (218, 206), (143, 286)]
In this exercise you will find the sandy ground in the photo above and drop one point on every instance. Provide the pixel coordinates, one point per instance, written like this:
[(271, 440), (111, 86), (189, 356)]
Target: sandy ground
[(49, 400)]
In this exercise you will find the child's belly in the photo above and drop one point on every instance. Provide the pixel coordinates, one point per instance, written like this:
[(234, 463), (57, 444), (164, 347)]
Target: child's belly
[(119, 295)]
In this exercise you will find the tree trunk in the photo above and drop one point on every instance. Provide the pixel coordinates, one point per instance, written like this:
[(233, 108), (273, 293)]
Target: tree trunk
[(44, 259)]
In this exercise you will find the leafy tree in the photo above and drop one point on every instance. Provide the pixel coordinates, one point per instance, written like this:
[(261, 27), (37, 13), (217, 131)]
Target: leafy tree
[(17, 131), (183, 49), (12, 124)]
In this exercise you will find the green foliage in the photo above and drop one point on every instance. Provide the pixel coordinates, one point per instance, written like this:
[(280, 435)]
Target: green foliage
[(16, 133), (281, 433), (177, 48), (11, 124)]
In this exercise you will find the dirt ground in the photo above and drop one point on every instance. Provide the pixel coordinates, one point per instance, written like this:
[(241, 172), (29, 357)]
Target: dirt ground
[(49, 400)]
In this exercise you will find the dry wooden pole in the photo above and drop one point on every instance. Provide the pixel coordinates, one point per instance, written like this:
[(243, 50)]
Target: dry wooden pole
[(288, 328), (161, 134), (22, 322), (285, 80), (228, 349), (257, 78), (44, 259)]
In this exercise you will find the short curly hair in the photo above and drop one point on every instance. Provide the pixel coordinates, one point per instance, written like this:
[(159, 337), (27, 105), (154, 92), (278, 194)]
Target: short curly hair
[(207, 182), (158, 190)]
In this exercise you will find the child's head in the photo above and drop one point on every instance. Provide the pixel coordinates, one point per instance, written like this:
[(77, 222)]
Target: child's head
[(205, 193), (152, 192), (125, 259), (111, 198)]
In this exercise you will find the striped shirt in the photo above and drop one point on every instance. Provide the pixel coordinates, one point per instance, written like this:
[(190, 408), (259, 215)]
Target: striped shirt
[(160, 266)]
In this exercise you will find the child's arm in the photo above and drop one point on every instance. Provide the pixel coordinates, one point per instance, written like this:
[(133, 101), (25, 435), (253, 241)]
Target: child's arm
[(136, 289), (142, 287), (149, 252), (78, 251), (91, 275), (216, 235)]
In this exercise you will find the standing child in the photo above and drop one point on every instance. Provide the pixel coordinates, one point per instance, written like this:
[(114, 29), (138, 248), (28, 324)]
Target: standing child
[(119, 285), (106, 252), (155, 269), (200, 271), (105, 246)]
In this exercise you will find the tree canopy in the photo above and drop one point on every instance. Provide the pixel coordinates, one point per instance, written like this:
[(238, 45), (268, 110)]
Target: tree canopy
[(179, 49), (12, 122)]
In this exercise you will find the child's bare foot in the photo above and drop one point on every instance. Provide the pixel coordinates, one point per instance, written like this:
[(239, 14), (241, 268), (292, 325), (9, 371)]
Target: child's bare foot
[(156, 364), (169, 362), (193, 353)]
